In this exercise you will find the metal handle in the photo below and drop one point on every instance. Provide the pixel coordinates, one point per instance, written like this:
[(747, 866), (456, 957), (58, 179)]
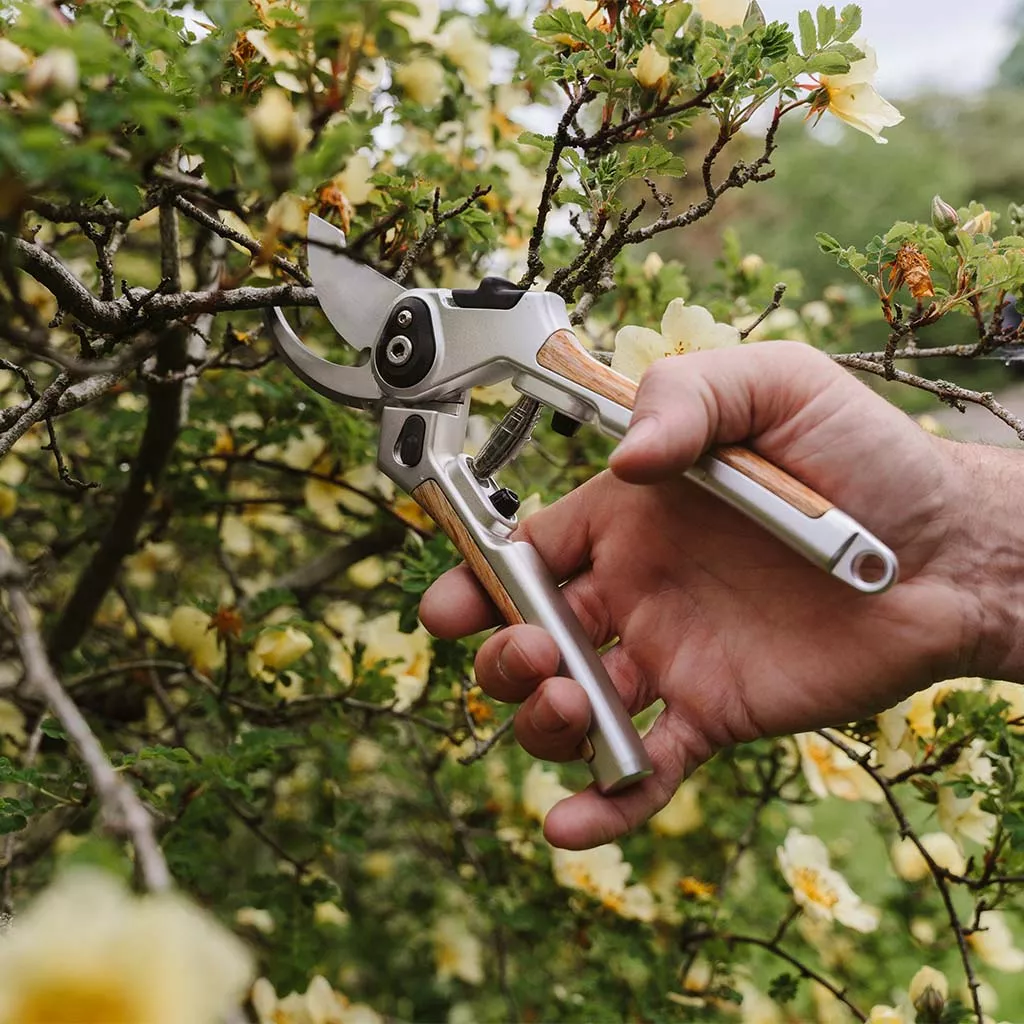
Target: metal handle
[(519, 583), (788, 509)]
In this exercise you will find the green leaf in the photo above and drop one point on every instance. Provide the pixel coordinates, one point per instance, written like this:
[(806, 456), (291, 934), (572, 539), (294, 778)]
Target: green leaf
[(52, 728), (826, 243), (826, 25), (808, 36), (676, 16), (783, 988), (828, 62), (849, 22), (12, 823), (538, 141)]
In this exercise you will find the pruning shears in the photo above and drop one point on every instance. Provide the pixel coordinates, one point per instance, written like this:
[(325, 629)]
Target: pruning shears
[(422, 350)]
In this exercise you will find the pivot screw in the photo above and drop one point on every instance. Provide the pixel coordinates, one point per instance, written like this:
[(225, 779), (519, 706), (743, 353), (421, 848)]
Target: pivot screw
[(399, 350), (404, 317)]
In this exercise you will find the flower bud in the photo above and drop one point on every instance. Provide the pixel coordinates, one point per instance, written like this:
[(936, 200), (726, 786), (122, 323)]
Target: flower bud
[(276, 126), (929, 991), (751, 265), (945, 219), (652, 67), (652, 266), (55, 72), (979, 225)]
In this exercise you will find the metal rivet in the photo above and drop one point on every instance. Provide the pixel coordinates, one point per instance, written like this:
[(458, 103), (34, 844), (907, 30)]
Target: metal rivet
[(399, 350), (404, 317)]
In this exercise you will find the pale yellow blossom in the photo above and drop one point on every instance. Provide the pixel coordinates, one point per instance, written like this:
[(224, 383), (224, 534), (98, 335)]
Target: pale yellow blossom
[(911, 866), (925, 979), (330, 914), (652, 67), (682, 814), (276, 649), (423, 81), (276, 126), (727, 13), (354, 180), (888, 1015), (994, 943), (757, 1008), (1013, 695), (190, 630), (12, 725), (154, 557), (853, 98), (962, 816), (683, 329), (820, 890), (458, 953), (365, 755), (462, 44), (652, 266), (829, 770), (541, 791), (603, 872), (55, 72), (89, 951), (257, 918), (12, 58), (404, 657), (422, 25), (319, 1004)]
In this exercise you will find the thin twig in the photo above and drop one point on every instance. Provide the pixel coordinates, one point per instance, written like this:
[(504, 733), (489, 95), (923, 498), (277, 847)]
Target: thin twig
[(122, 809)]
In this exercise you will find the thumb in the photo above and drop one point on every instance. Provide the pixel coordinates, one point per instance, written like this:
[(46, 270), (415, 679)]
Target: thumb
[(685, 404)]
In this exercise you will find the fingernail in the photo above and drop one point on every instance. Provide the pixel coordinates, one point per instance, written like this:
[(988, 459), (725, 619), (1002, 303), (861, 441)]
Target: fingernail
[(547, 718), (639, 436)]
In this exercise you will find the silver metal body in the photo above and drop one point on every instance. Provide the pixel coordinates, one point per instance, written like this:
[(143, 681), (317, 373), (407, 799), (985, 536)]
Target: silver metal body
[(480, 346), (616, 754)]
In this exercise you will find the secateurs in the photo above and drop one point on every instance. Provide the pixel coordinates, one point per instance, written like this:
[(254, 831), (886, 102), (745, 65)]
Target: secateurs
[(424, 349)]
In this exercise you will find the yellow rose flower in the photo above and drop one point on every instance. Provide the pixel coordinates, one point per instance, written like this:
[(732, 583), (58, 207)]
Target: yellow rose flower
[(422, 25), (423, 81), (458, 953), (190, 630), (994, 944), (468, 51), (652, 67), (822, 891), (275, 650), (682, 814), (854, 99), (89, 951), (683, 329), (829, 770)]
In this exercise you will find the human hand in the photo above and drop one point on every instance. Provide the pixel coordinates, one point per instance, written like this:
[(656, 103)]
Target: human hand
[(739, 636)]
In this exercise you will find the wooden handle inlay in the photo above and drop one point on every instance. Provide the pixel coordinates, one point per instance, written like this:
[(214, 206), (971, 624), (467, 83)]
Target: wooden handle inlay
[(563, 354), (432, 500)]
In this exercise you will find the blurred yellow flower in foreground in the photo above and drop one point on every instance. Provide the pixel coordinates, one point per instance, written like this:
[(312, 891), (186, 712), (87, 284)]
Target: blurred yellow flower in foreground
[(191, 631), (319, 1004), (818, 888), (89, 952), (888, 1015), (854, 99), (683, 329)]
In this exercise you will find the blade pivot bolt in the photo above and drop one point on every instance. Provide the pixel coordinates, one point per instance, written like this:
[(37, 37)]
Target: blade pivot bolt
[(399, 350)]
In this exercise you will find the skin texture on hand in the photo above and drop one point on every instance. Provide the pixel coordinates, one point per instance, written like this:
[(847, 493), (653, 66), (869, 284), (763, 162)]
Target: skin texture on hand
[(739, 636)]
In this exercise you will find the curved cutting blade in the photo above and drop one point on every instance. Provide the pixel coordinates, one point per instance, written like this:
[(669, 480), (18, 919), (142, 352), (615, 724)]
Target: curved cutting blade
[(352, 385), (355, 298)]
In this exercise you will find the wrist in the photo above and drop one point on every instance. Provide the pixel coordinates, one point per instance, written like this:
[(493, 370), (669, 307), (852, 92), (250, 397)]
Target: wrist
[(986, 541)]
